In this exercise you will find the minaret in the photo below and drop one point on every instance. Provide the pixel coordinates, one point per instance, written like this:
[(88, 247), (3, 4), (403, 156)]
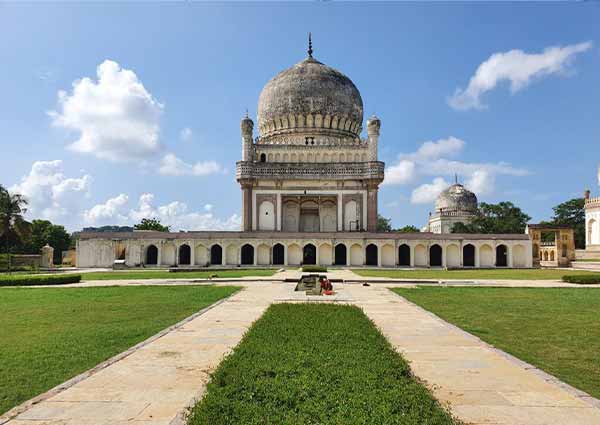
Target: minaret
[(247, 127), (373, 126)]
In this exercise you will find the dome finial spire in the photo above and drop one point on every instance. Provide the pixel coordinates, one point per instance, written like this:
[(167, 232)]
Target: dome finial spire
[(455, 178), (310, 49)]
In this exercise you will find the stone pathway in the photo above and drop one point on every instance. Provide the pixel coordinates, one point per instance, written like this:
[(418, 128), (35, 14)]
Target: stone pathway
[(156, 383), (481, 384)]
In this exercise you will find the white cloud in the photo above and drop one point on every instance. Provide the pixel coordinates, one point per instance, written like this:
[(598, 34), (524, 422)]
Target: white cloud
[(401, 173), (175, 214), (431, 159), (52, 195), (443, 147), (481, 182), (173, 166), (428, 192), (518, 68), (108, 212), (186, 134), (116, 117)]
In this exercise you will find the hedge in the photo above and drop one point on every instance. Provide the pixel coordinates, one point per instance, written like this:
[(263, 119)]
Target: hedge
[(314, 269), (582, 279), (30, 280)]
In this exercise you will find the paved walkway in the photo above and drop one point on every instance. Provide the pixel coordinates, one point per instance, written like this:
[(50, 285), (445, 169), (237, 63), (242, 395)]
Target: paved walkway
[(157, 382), (481, 384)]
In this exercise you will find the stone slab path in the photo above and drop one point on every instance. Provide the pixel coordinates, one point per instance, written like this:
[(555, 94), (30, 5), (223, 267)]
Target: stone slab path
[(481, 384), (156, 383)]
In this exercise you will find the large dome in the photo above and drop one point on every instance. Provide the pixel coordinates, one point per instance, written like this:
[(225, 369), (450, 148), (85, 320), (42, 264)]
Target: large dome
[(456, 199), (310, 97)]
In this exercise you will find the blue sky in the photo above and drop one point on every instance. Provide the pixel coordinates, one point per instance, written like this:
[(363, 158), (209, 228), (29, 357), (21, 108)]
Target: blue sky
[(527, 129)]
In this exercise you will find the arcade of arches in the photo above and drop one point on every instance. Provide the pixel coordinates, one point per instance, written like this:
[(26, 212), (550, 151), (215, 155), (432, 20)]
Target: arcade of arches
[(343, 253)]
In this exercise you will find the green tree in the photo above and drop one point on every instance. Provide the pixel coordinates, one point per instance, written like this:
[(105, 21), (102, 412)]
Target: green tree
[(408, 229), (44, 232), (503, 217), (13, 227), (151, 224), (572, 213), (384, 224)]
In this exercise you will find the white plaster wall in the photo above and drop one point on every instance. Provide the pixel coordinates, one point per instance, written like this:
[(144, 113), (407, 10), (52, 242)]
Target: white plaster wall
[(388, 255), (266, 216), (201, 255), (325, 255), (350, 215), (168, 254), (452, 256), (328, 218), (420, 255), (356, 255), (486, 256), (263, 255), (519, 256), (592, 228), (231, 255), (294, 254)]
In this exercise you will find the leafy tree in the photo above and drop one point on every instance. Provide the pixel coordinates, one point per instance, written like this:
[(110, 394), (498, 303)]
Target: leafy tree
[(384, 224), (503, 217), (572, 213), (463, 228), (44, 232), (13, 227), (408, 229), (151, 224)]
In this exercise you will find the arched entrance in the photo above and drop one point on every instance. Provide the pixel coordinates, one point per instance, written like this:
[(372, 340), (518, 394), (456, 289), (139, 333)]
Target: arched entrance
[(501, 256), (468, 255), (278, 254), (371, 259), (216, 255), (404, 255), (185, 254), (309, 254), (435, 255), (340, 255), (152, 255), (247, 254)]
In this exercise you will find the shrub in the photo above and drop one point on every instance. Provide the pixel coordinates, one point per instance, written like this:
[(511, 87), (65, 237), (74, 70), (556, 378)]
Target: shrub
[(314, 269), (582, 279), (30, 280)]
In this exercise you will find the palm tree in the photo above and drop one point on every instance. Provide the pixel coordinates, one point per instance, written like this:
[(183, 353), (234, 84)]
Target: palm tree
[(13, 226)]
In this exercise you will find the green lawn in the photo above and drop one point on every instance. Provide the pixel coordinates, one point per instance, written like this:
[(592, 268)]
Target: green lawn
[(165, 274), (526, 274), (48, 335), (555, 329), (315, 364)]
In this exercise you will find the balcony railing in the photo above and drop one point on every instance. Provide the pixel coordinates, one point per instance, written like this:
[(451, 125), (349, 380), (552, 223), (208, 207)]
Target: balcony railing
[(310, 171)]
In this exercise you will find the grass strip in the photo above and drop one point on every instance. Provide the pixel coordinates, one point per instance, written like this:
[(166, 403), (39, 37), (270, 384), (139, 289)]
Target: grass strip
[(555, 329), (49, 335), (30, 280), (165, 274), (315, 364), (508, 274)]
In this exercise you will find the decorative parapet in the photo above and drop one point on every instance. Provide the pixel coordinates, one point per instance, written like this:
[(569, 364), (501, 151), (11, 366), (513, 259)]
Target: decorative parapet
[(592, 202), (452, 213), (310, 171)]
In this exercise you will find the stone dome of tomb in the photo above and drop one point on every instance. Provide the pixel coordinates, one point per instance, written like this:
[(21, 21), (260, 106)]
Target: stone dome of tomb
[(456, 199), (310, 98)]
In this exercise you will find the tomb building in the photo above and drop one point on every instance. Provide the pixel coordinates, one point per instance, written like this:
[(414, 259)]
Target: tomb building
[(309, 184)]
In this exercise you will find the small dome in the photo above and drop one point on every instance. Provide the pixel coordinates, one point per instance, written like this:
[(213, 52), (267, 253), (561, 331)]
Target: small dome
[(456, 198), (313, 97)]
